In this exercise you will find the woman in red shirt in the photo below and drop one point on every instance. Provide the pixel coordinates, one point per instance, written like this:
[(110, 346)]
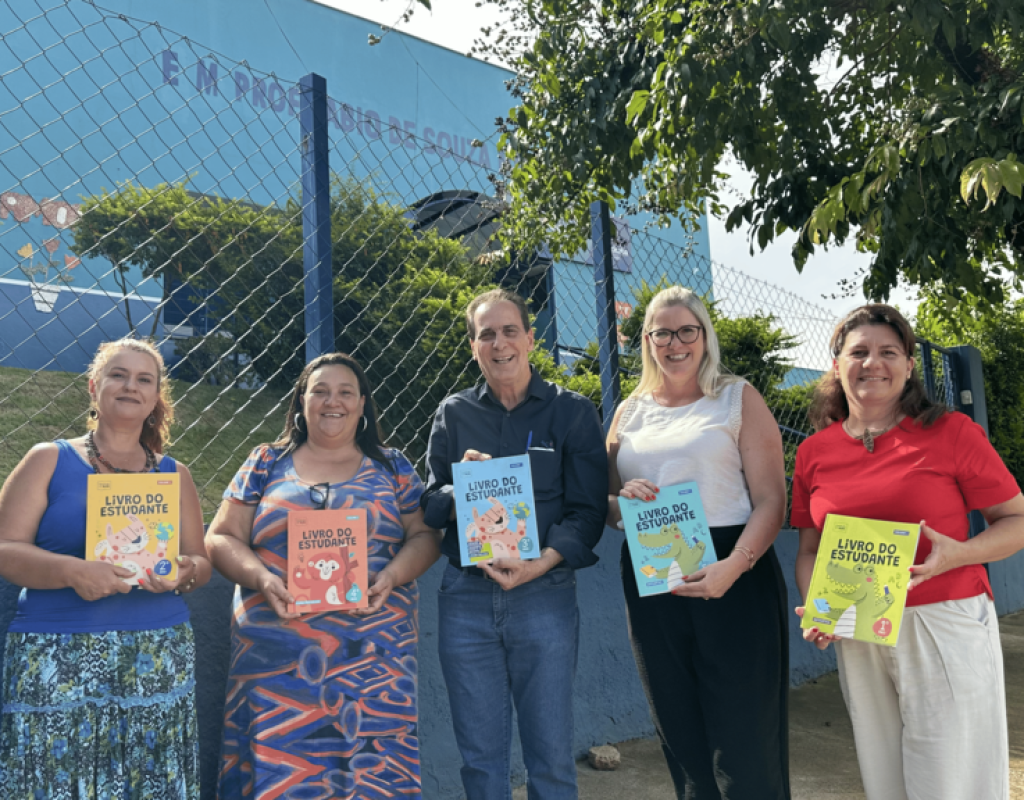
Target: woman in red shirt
[(929, 716)]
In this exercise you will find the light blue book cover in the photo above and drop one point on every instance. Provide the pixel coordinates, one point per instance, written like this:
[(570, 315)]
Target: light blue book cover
[(668, 537), (494, 509)]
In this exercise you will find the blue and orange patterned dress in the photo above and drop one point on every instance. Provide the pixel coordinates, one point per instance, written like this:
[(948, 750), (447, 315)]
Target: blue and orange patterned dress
[(326, 702)]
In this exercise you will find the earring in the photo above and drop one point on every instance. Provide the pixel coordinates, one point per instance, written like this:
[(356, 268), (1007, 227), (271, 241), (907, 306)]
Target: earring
[(299, 422), (363, 429), (94, 414), (151, 421)]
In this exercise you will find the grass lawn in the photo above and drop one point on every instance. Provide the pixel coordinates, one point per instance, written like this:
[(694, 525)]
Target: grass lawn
[(214, 431)]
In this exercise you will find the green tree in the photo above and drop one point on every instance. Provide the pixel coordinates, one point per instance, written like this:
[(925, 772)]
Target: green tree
[(898, 123), (170, 233), (998, 332), (399, 296)]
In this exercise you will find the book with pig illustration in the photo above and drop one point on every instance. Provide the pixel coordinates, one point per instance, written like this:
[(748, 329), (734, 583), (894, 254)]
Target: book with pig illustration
[(495, 510), (668, 537), (327, 568), (859, 586), (133, 521)]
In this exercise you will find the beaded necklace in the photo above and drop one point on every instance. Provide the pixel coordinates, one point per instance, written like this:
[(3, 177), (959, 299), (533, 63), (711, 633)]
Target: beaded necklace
[(96, 459)]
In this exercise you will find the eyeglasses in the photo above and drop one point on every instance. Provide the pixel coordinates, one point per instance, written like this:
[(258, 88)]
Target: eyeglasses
[(319, 494), (688, 334)]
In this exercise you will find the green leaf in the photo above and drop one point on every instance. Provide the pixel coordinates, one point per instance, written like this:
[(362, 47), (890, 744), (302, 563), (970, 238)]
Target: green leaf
[(949, 32), (1012, 175), (637, 104)]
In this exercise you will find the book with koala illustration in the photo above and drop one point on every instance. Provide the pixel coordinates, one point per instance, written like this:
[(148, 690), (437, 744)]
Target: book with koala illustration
[(134, 521), (859, 586), (668, 537), (327, 569), (495, 510)]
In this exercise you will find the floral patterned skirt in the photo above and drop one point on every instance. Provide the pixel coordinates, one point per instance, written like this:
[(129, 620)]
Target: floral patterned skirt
[(104, 716)]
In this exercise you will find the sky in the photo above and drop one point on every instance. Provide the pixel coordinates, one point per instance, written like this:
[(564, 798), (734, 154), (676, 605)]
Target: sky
[(455, 24)]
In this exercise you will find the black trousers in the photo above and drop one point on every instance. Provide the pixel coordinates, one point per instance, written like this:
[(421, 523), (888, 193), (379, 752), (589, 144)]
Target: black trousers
[(716, 674)]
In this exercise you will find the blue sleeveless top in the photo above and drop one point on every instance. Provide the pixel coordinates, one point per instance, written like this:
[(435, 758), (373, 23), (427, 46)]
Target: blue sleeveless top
[(62, 530)]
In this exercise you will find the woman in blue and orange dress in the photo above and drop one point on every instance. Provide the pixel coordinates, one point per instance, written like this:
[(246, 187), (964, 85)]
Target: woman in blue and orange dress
[(325, 701)]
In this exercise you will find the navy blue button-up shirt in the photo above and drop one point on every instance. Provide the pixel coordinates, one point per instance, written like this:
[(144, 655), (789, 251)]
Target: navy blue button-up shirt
[(567, 458)]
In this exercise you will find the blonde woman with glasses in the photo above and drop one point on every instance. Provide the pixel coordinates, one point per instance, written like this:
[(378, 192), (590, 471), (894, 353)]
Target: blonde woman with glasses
[(712, 654)]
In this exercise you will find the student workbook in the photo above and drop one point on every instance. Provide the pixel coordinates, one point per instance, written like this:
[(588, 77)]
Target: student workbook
[(859, 586), (495, 510), (327, 559), (668, 537), (133, 520)]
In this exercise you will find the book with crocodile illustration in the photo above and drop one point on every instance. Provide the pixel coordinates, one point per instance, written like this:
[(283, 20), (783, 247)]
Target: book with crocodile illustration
[(859, 586), (327, 568), (495, 510), (668, 537), (134, 521)]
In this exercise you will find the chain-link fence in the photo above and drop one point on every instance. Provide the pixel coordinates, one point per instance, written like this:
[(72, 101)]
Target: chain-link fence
[(151, 187)]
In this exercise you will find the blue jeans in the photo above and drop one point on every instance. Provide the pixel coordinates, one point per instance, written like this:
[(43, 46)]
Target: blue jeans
[(497, 647)]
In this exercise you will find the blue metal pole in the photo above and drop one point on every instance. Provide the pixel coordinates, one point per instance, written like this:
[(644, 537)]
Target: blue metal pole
[(927, 371), (316, 217), (607, 329), (551, 332), (970, 399)]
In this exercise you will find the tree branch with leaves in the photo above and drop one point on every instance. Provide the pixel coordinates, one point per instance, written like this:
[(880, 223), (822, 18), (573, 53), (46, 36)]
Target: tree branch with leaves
[(913, 150)]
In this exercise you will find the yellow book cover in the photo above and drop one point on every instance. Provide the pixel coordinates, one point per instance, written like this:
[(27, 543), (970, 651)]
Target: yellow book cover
[(859, 586), (134, 521)]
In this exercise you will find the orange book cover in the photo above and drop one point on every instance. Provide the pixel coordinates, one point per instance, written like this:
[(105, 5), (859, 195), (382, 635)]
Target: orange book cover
[(327, 559)]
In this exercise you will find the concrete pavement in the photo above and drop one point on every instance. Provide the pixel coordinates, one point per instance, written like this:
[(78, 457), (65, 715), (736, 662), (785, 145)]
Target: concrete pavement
[(823, 763)]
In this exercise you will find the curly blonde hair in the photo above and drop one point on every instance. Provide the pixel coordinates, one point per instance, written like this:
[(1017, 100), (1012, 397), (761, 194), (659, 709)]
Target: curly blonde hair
[(154, 436)]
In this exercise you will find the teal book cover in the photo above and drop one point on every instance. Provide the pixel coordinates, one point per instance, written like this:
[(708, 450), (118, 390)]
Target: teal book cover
[(668, 537), (494, 509)]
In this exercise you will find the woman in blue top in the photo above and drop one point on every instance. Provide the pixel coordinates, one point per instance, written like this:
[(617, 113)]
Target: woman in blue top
[(98, 689)]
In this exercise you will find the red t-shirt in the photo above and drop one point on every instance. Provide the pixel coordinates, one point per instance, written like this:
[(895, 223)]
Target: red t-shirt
[(935, 474)]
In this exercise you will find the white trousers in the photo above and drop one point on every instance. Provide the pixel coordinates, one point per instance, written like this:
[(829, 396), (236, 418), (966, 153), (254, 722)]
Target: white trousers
[(929, 715)]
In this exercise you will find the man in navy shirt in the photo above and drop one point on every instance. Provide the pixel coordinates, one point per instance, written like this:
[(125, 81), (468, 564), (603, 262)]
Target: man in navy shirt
[(508, 630)]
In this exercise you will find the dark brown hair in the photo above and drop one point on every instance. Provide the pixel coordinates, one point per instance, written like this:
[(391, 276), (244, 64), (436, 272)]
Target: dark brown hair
[(496, 296), (154, 436), (368, 438), (830, 404)]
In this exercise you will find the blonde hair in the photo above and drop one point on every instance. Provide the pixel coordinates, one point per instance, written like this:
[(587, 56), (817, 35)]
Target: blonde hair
[(154, 436), (710, 374)]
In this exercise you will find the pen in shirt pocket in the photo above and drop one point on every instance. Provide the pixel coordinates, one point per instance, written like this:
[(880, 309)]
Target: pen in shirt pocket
[(529, 446)]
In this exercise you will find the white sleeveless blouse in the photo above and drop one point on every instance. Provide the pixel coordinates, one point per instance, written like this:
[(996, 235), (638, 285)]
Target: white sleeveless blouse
[(696, 442)]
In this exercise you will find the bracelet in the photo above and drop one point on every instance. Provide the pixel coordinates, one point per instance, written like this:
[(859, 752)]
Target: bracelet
[(188, 587), (746, 551), (191, 584)]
